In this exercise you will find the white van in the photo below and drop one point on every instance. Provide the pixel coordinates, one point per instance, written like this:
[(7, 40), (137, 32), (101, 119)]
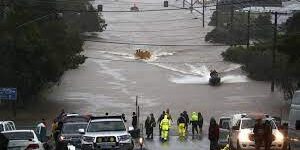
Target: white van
[(294, 123)]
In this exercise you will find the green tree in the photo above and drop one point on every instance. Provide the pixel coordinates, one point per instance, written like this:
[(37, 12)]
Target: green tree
[(39, 53)]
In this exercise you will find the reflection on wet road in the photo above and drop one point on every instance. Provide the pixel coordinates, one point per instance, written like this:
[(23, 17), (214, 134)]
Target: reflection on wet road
[(175, 143)]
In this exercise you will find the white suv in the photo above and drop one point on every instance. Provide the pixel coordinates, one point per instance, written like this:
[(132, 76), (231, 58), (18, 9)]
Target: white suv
[(108, 132), (242, 137)]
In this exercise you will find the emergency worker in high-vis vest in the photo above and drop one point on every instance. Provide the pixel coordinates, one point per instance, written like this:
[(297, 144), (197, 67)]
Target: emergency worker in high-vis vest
[(194, 122), (165, 125)]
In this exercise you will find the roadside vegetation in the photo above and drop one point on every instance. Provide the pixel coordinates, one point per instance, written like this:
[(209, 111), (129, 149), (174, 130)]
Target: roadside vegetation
[(232, 27), (37, 54), (257, 60)]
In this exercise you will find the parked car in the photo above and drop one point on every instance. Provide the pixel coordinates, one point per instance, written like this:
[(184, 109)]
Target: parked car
[(70, 134), (107, 132), (23, 140), (294, 123), (224, 124), (242, 137), (7, 126)]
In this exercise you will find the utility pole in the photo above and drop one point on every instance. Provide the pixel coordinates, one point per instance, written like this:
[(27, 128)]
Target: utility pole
[(274, 53), (183, 3), (231, 18), (248, 30), (192, 5), (203, 7), (217, 15), (231, 23)]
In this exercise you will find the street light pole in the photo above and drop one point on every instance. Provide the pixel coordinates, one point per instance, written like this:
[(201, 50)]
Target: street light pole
[(203, 17), (274, 53)]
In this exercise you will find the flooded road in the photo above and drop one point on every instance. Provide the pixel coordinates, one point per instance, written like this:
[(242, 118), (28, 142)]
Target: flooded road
[(175, 77)]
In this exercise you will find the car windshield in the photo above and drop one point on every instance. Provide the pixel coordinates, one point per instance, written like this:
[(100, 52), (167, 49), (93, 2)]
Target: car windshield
[(19, 135), (106, 126), (246, 124), (224, 123), (73, 128)]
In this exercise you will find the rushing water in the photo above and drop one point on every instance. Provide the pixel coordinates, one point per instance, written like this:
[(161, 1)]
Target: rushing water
[(175, 77)]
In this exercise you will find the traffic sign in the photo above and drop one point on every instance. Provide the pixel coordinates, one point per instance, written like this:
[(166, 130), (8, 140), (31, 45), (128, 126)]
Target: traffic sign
[(8, 93)]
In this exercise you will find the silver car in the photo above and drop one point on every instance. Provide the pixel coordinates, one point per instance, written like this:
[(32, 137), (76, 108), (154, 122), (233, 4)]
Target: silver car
[(107, 132), (22, 139)]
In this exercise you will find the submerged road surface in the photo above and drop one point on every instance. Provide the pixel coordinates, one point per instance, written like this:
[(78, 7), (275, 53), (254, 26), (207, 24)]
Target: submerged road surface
[(176, 76)]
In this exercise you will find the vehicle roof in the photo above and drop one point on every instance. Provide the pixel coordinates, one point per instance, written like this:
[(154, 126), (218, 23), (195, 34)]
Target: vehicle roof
[(11, 131), (224, 117), (106, 119), (67, 123), (250, 118), (5, 121), (72, 114)]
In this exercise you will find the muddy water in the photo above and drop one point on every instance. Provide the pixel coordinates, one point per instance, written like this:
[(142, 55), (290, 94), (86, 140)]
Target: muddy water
[(176, 77)]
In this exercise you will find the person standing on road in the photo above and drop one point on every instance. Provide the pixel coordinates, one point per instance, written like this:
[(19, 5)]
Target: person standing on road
[(152, 125), (213, 134), (165, 125), (194, 122), (159, 120), (258, 133), (181, 125), (200, 121), (268, 135), (54, 127), (134, 120), (187, 120), (124, 117), (148, 126), (61, 115), (41, 131)]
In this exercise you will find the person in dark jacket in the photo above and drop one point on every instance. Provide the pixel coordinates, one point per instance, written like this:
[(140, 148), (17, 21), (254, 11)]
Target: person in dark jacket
[(258, 133), (187, 119), (61, 115), (124, 117), (159, 120), (148, 126), (181, 122), (3, 141), (268, 135), (200, 121), (213, 134), (134, 120), (152, 125)]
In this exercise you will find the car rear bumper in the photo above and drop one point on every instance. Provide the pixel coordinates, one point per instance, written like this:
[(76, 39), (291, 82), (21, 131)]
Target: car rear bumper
[(119, 146), (251, 146)]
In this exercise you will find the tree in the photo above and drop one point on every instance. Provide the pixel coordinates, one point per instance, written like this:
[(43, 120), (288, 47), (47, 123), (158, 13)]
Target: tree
[(39, 53)]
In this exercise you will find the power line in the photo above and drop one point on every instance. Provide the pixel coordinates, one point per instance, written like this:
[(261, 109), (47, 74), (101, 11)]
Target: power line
[(151, 44)]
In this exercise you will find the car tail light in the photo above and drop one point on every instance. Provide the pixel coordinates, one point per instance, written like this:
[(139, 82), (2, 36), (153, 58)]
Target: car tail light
[(273, 137), (33, 146), (251, 137)]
